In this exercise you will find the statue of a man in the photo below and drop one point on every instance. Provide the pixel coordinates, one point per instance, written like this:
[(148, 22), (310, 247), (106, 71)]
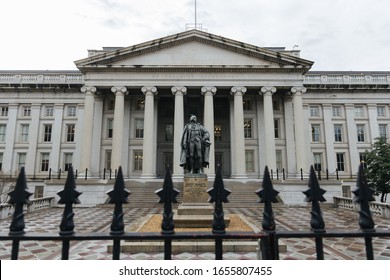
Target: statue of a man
[(195, 147)]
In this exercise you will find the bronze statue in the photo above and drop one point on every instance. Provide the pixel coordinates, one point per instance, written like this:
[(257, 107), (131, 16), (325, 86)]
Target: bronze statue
[(195, 147)]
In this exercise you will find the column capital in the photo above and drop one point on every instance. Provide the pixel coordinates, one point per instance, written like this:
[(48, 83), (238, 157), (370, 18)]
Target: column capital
[(179, 90), (267, 90), (209, 90), (298, 90), (149, 90), (88, 90), (238, 91), (119, 90)]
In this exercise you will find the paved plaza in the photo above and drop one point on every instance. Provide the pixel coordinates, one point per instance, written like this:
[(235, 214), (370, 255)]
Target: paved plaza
[(98, 219)]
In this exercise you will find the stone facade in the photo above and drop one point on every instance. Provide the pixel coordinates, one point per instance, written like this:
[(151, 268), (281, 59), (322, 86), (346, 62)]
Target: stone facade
[(127, 106)]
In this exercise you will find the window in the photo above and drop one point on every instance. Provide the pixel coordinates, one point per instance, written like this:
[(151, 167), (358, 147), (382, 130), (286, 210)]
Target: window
[(3, 128), (336, 111), (21, 160), (248, 128), (381, 111), (317, 161), (359, 111), (138, 157), (68, 159), (383, 130), (110, 125), (71, 112), (338, 132), (363, 159), (3, 111), (49, 111), (360, 132), (168, 132), (108, 160), (24, 133), (70, 129), (315, 133), (26, 111), (247, 104), (277, 128), (249, 160), (45, 161), (1, 161), (139, 128), (140, 105), (218, 132), (314, 111), (47, 132), (279, 160), (38, 192), (340, 161)]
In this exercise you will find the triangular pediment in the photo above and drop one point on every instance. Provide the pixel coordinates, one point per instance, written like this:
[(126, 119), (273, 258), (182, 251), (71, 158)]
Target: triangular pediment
[(192, 50)]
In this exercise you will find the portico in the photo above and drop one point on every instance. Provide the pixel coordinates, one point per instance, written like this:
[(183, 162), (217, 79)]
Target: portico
[(232, 87)]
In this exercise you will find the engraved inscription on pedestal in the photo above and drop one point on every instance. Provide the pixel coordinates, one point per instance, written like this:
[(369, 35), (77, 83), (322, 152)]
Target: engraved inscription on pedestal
[(195, 189)]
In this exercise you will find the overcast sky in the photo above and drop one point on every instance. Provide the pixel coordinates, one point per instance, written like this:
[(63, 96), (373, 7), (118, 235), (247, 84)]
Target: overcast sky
[(336, 34)]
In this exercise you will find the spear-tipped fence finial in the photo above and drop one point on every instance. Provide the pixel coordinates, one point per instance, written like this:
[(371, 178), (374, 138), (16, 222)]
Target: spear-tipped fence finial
[(363, 195), (267, 196), (19, 197), (218, 194), (315, 195), (68, 196), (118, 195), (167, 195)]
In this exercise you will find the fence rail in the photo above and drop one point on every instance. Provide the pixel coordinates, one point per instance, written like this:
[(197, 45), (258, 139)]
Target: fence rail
[(269, 237)]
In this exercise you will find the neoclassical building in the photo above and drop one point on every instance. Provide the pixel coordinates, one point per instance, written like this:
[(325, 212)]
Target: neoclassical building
[(128, 106)]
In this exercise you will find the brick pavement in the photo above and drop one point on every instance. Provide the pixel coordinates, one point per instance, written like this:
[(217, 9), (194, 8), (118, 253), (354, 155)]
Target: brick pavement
[(287, 218)]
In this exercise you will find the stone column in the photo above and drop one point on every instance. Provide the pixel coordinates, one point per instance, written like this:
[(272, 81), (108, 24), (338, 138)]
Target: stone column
[(353, 165), (86, 149), (149, 158), (56, 137), (208, 121), (299, 129), (290, 140), (178, 92), (270, 154), (117, 136), (239, 141)]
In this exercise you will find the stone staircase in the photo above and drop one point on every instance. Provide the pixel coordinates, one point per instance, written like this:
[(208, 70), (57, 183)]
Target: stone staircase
[(143, 194)]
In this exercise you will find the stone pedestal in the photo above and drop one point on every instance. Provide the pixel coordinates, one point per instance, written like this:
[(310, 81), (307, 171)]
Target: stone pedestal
[(195, 211)]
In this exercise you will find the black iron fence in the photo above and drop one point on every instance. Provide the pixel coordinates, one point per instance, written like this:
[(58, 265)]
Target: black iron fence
[(269, 237)]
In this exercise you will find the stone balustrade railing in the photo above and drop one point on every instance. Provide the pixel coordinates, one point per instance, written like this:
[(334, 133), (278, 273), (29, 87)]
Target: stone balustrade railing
[(324, 78), (376, 208), (44, 78), (7, 210)]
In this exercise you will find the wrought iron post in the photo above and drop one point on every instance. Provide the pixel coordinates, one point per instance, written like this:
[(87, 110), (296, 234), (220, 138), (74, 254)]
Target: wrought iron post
[(18, 197), (315, 195), (218, 194), (167, 195), (363, 195), (68, 196), (118, 196), (268, 195)]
